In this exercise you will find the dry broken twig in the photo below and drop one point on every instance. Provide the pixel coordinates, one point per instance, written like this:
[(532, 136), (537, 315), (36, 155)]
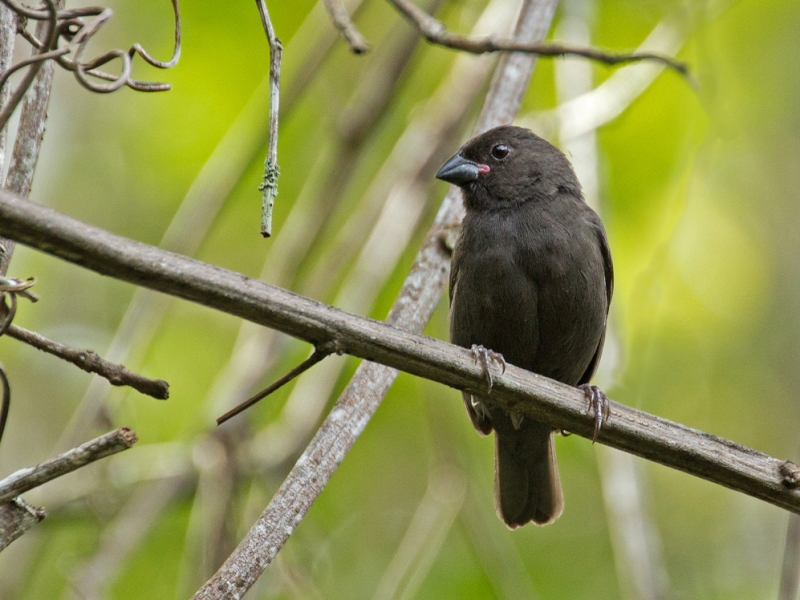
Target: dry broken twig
[(100, 447), (320, 352), (90, 362), (87, 360), (435, 32)]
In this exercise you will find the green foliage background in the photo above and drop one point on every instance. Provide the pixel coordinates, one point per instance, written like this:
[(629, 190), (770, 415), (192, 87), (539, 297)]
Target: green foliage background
[(699, 193)]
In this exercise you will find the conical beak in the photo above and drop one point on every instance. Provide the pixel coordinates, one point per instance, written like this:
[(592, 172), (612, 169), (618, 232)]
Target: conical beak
[(459, 171)]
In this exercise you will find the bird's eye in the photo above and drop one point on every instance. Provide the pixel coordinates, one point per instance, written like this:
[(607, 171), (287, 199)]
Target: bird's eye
[(500, 151)]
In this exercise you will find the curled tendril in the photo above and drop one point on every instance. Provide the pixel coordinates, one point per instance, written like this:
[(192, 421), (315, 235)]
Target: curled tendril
[(9, 289), (70, 26)]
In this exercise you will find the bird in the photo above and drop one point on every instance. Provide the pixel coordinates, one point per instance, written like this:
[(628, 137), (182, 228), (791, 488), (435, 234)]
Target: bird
[(531, 281)]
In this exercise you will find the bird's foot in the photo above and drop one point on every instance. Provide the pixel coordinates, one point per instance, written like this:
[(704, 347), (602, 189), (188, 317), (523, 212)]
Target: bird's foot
[(484, 356), (598, 406)]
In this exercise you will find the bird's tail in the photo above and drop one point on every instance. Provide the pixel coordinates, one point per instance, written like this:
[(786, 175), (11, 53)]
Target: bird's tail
[(526, 485)]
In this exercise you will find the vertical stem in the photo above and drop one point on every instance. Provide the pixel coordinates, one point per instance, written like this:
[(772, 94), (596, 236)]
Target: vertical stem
[(29, 136), (269, 185)]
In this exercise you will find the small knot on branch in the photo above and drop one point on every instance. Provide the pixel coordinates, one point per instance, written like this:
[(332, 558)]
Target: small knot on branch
[(269, 181), (790, 474)]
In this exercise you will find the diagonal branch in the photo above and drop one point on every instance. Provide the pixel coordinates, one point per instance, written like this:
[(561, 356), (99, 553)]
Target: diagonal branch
[(92, 363), (563, 407), (342, 22), (71, 460), (320, 352), (435, 32)]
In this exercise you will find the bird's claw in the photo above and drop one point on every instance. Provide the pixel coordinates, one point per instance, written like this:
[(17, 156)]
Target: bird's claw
[(483, 356), (598, 406)]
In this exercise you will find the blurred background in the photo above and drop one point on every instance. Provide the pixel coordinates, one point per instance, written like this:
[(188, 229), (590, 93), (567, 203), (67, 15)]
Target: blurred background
[(697, 184)]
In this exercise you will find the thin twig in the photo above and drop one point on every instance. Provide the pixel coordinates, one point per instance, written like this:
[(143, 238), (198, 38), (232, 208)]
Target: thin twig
[(435, 32), (90, 362), (342, 21), (16, 517), (27, 479), (542, 399), (269, 184), (320, 352)]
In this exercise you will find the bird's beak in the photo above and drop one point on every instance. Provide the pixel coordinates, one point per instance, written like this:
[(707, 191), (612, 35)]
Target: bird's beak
[(460, 171)]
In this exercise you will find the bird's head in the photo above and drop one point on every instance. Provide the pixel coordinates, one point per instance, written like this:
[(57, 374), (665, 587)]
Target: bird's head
[(509, 166)]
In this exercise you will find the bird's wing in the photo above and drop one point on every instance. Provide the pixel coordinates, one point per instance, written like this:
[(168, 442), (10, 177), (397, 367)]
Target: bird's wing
[(453, 276), (608, 272), (475, 408)]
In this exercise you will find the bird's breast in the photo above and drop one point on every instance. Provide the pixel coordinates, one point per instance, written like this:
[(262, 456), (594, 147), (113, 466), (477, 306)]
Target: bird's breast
[(532, 290)]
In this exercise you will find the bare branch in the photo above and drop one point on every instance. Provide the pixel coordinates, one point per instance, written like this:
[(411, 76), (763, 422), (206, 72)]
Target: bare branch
[(8, 32), (340, 18), (90, 362), (29, 134), (16, 517), (556, 404), (50, 38), (435, 32), (27, 479), (269, 184)]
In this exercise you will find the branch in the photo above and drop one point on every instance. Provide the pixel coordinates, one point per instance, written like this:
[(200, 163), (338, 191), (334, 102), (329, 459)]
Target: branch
[(49, 27), (561, 406), (16, 517), (29, 138), (27, 479), (269, 184), (435, 32), (90, 362), (340, 18)]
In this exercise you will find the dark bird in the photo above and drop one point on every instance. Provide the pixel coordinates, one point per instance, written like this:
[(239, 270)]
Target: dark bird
[(531, 280)]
